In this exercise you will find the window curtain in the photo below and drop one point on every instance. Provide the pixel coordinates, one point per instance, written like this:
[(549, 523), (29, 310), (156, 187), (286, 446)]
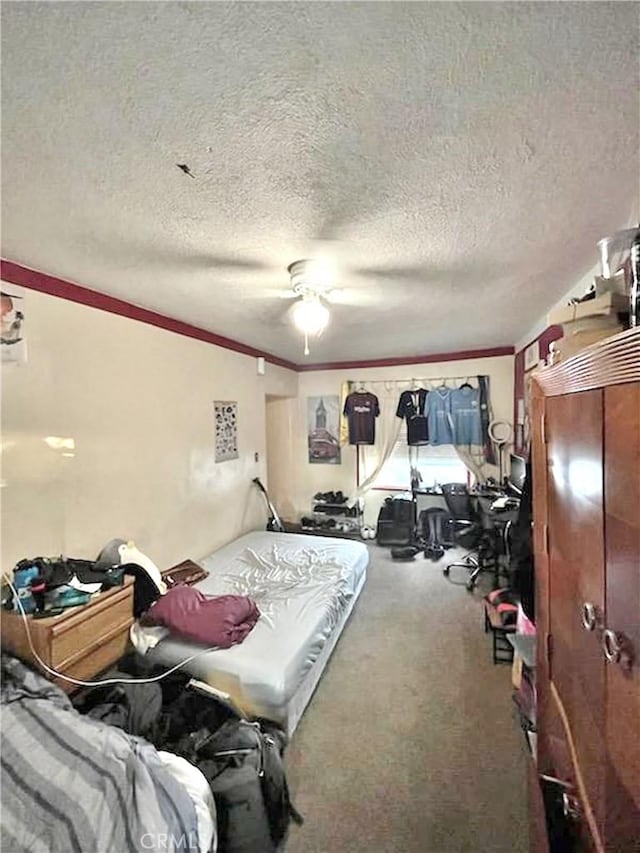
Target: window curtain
[(373, 457), (388, 426), (486, 416), (345, 390), (473, 459)]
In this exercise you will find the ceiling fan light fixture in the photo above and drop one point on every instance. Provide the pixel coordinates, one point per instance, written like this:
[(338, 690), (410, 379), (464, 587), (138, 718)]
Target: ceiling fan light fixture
[(314, 276), (310, 315)]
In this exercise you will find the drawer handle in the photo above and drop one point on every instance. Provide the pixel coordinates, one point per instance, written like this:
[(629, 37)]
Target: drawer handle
[(589, 616), (611, 646)]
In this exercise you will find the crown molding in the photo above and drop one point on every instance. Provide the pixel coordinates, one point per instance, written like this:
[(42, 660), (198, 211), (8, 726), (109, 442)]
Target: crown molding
[(35, 280), (31, 279), (456, 355)]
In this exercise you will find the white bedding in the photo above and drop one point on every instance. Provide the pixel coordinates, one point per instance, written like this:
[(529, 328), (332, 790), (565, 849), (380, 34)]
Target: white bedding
[(304, 586), (196, 785)]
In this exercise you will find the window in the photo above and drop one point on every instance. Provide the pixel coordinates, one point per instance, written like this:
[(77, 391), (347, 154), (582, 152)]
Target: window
[(435, 464)]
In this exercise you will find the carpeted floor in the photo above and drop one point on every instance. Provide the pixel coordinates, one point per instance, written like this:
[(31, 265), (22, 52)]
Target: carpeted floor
[(410, 743)]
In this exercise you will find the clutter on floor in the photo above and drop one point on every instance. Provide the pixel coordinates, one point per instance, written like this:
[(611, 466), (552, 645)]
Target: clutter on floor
[(500, 617), (242, 761), (59, 768), (331, 514)]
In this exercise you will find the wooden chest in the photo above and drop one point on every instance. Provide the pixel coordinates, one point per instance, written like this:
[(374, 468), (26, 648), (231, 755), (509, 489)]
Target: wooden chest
[(82, 641)]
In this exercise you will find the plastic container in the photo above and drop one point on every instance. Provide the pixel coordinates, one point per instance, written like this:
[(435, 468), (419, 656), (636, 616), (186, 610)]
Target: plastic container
[(615, 250)]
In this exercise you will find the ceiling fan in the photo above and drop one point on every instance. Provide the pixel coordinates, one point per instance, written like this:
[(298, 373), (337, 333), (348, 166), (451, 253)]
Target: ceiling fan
[(312, 287)]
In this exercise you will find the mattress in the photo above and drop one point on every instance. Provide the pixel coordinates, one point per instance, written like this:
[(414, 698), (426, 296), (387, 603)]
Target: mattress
[(305, 587)]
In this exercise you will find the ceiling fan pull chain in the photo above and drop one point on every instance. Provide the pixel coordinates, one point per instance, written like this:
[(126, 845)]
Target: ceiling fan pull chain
[(306, 344)]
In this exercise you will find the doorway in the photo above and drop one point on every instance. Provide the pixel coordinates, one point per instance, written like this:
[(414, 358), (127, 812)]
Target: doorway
[(280, 453)]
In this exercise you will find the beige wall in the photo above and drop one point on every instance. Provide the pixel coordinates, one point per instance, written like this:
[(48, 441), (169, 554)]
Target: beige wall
[(307, 479), (138, 403)]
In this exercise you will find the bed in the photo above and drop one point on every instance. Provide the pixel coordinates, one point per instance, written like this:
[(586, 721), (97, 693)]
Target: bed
[(305, 587), (72, 783)]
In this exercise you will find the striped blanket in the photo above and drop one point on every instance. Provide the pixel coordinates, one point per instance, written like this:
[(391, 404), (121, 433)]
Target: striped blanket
[(71, 784)]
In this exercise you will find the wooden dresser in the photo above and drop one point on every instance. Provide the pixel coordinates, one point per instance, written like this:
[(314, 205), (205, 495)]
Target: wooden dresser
[(82, 641), (586, 480)]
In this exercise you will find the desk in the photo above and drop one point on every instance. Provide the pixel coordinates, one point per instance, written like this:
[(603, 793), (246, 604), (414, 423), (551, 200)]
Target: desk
[(428, 499)]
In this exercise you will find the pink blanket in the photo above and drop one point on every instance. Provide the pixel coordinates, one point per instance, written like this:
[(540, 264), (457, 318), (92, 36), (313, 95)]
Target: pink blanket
[(220, 620)]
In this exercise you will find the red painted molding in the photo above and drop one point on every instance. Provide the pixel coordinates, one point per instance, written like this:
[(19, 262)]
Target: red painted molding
[(34, 280), (459, 355)]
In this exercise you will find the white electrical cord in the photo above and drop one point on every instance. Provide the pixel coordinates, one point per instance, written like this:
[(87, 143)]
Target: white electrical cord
[(81, 683)]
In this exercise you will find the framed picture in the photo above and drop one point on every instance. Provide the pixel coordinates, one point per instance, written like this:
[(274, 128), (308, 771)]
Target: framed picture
[(226, 417), (531, 356), (14, 343), (323, 429)]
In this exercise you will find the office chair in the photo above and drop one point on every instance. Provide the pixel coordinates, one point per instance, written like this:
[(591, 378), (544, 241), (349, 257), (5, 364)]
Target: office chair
[(469, 531)]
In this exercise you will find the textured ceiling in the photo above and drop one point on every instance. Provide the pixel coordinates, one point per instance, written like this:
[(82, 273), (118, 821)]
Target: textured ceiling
[(457, 162)]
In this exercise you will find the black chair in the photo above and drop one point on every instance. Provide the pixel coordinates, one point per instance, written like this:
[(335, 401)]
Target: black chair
[(469, 531)]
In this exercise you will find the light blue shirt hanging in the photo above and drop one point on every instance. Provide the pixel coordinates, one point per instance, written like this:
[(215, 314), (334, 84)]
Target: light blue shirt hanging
[(438, 412), (465, 414)]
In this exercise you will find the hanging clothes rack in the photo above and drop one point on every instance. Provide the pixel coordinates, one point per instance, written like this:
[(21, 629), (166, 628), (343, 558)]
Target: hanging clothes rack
[(433, 381)]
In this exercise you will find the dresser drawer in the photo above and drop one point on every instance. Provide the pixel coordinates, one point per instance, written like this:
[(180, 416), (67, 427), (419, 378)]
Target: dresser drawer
[(95, 661), (82, 641), (90, 628)]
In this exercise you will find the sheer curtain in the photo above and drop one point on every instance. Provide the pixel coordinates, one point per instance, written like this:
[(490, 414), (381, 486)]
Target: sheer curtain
[(473, 458), (388, 427), (373, 457)]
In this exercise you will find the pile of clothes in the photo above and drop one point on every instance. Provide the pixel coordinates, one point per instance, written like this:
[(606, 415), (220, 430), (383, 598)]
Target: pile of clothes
[(221, 621), (241, 760), (169, 600)]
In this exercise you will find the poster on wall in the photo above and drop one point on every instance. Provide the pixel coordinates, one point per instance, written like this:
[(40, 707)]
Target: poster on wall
[(226, 414), (323, 429), (531, 356), (13, 340)]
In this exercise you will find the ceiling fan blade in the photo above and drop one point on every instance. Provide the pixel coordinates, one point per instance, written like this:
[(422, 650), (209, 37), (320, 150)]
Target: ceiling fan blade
[(142, 254), (352, 296), (348, 160), (429, 273), (280, 313), (276, 293), (239, 263)]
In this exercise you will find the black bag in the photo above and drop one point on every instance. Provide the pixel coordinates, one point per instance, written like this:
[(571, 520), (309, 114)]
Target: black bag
[(58, 571), (396, 521), (135, 708), (242, 762)]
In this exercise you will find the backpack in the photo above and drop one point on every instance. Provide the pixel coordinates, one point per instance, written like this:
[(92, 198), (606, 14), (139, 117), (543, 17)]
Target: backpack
[(436, 528), (396, 521), (242, 762)]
